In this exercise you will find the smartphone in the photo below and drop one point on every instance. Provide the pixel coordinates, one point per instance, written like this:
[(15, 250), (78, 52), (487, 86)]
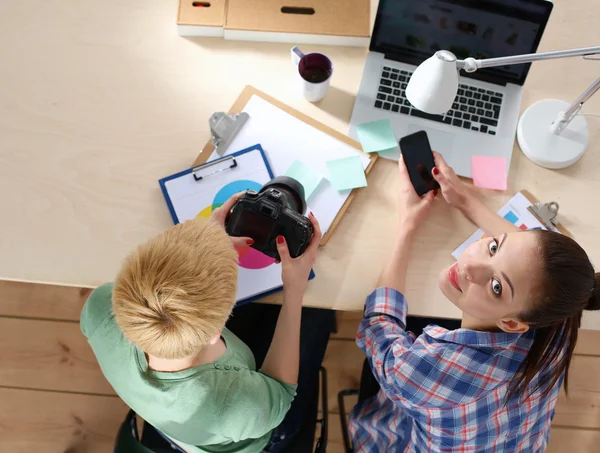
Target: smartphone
[(418, 158)]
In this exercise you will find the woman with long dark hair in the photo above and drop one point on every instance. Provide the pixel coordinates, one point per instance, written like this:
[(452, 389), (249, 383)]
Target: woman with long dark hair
[(489, 384)]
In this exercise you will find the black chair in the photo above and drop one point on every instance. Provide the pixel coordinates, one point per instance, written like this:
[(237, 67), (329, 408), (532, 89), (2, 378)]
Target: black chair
[(343, 420), (152, 441), (368, 388)]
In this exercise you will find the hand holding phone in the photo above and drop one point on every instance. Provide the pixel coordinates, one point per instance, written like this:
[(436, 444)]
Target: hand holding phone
[(419, 161)]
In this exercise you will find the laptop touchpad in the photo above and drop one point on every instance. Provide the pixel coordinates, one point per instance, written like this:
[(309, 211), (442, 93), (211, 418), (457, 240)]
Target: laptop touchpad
[(440, 141)]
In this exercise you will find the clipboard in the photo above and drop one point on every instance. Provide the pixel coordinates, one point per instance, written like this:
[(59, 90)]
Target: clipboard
[(206, 172), (241, 103), (533, 200), (197, 191)]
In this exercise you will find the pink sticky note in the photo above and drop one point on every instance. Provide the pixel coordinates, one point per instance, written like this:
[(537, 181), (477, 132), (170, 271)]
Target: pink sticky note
[(489, 172)]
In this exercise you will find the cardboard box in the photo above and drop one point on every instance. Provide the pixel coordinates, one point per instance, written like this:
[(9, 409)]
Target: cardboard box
[(205, 18), (332, 22)]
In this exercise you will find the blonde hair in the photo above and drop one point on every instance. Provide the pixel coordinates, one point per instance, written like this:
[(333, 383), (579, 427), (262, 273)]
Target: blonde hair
[(174, 293)]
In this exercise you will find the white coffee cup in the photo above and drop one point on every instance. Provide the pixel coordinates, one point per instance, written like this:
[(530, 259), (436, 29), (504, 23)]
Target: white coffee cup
[(314, 72)]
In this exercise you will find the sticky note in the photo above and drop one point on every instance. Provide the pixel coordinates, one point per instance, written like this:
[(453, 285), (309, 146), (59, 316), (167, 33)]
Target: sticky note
[(376, 136), (346, 173), (489, 172), (305, 176)]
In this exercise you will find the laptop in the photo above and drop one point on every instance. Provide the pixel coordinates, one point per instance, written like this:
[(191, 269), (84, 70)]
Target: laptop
[(483, 118)]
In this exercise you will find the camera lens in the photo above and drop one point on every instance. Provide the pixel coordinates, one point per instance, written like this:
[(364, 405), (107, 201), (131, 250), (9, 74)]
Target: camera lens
[(292, 191)]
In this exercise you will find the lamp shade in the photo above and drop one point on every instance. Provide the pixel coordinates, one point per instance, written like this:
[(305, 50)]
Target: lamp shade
[(433, 85)]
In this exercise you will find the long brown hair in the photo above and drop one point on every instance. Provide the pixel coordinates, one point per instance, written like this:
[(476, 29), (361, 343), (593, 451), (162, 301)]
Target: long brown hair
[(567, 286)]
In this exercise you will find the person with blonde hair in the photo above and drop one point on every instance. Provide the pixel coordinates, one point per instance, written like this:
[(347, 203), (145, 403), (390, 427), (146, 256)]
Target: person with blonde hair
[(159, 334)]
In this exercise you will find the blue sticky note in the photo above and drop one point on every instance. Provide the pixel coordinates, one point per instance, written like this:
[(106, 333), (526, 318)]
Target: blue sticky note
[(346, 173), (376, 136), (305, 176)]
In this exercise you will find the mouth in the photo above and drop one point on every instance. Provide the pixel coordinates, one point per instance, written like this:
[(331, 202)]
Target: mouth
[(453, 276)]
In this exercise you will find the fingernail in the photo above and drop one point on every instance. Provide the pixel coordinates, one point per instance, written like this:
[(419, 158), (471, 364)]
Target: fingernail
[(280, 240), (311, 214), (249, 241), (436, 171)]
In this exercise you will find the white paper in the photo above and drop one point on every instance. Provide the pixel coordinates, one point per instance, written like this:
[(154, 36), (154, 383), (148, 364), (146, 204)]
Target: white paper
[(285, 139), (519, 216), (190, 197)]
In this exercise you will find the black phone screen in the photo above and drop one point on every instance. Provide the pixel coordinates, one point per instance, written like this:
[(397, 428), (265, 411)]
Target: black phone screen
[(418, 158)]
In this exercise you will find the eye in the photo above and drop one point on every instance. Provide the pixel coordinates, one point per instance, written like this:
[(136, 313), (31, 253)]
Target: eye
[(496, 287), (493, 246)]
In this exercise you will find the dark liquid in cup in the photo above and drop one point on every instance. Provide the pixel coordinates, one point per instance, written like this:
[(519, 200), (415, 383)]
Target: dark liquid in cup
[(316, 74)]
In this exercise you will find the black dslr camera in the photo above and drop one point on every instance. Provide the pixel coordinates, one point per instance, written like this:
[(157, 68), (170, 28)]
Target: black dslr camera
[(277, 209)]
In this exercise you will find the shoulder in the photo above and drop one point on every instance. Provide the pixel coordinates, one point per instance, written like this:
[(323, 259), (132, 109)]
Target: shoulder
[(254, 388), (96, 309), (253, 404)]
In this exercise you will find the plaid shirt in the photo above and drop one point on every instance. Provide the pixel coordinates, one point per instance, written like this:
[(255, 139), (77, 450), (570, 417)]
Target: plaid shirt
[(445, 390)]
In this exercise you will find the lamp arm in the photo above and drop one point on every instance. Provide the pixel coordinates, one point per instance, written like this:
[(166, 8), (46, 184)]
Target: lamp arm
[(472, 65), (564, 118)]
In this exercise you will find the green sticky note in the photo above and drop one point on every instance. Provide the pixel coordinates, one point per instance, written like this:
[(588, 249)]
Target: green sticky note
[(346, 173), (305, 176), (376, 136)]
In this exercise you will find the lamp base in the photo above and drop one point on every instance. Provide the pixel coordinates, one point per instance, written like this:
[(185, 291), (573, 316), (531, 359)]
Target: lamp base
[(543, 147)]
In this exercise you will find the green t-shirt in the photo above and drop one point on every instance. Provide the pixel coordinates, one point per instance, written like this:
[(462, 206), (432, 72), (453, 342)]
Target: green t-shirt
[(224, 406)]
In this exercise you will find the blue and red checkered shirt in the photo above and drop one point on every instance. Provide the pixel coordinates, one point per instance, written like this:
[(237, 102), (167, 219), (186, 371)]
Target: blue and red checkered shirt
[(445, 390)]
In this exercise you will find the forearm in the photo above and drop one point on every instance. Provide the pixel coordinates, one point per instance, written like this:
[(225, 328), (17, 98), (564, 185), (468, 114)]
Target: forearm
[(382, 336), (394, 272), (486, 219), (282, 359)]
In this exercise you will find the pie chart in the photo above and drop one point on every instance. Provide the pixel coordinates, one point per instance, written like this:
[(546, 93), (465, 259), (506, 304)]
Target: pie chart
[(249, 258)]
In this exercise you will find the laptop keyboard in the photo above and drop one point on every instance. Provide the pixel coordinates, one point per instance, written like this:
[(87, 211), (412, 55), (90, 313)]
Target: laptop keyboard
[(473, 108)]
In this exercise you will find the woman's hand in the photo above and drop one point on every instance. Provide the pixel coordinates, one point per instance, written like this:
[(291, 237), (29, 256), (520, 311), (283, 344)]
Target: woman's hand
[(454, 191), (413, 209), (221, 214), (295, 271)]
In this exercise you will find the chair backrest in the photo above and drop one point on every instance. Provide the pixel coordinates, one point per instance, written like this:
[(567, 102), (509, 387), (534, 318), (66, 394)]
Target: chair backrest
[(128, 439)]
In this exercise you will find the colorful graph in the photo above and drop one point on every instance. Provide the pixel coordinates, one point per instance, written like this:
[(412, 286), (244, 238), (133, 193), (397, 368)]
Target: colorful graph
[(514, 219), (249, 258)]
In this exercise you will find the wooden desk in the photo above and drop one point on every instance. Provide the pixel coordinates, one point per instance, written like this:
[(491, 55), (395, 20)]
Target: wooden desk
[(98, 101)]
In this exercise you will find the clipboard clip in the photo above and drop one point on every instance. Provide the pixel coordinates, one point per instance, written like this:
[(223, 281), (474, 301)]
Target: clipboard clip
[(546, 213), (229, 161), (224, 128)]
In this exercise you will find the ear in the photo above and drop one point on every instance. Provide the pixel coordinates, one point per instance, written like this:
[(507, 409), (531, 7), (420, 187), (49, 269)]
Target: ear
[(216, 338), (512, 325)]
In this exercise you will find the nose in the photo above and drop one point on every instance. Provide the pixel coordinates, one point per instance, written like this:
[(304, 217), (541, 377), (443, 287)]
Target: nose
[(477, 272)]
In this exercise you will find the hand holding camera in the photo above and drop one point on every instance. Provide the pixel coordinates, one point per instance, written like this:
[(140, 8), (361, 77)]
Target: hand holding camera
[(273, 218), (220, 215), (295, 271), (276, 210)]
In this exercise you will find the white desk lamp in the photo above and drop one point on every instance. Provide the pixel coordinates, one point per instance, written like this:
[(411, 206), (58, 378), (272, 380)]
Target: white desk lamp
[(550, 133)]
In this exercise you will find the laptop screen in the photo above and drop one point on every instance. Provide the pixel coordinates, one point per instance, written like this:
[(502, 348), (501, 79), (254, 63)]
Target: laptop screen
[(412, 30)]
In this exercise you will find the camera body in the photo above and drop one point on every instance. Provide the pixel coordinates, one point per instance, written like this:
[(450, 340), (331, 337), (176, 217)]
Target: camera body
[(277, 209)]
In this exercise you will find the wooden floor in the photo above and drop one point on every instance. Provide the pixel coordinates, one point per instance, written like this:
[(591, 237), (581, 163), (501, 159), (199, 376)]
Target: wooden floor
[(55, 399)]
